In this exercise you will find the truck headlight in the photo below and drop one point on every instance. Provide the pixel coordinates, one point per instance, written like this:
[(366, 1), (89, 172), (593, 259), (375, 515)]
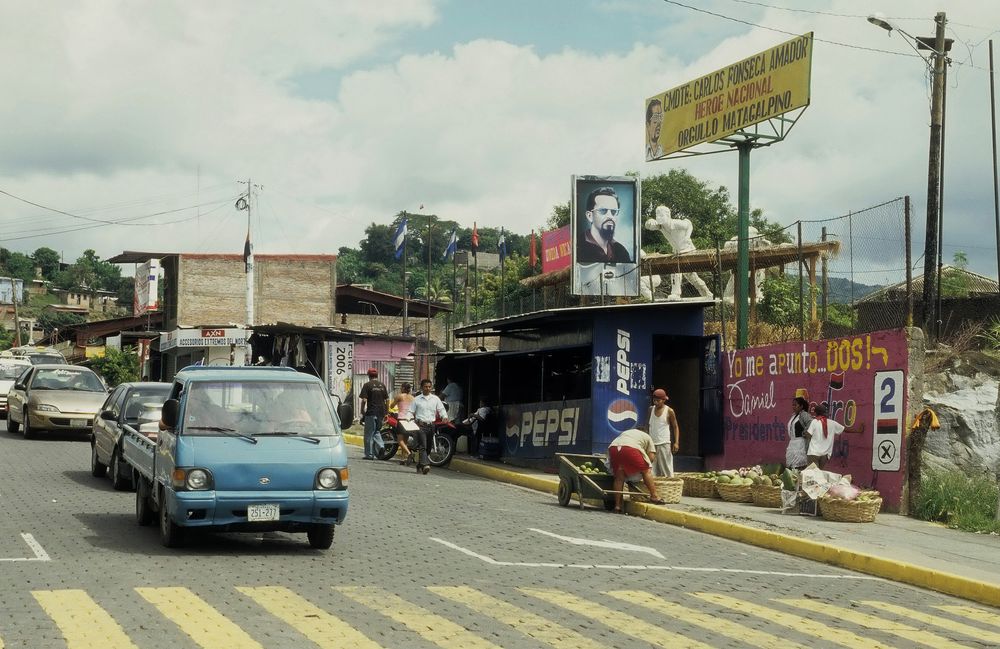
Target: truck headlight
[(327, 479), (44, 407), (191, 479)]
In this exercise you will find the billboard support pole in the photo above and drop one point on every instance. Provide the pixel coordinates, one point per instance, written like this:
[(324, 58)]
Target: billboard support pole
[(743, 247)]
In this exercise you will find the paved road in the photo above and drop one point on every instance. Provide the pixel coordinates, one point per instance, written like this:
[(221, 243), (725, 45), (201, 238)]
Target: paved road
[(441, 560)]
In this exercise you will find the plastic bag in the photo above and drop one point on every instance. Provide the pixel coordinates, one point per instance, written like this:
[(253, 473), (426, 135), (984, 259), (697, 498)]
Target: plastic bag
[(816, 482), (789, 500), (843, 491)]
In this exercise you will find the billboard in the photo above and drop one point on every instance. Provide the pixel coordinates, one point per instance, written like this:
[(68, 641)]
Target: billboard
[(339, 368), (146, 297), (723, 102), (556, 250), (621, 377), (604, 215)]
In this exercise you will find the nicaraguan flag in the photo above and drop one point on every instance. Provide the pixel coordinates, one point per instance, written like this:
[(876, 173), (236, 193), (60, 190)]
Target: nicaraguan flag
[(399, 238), (502, 245), (452, 245)]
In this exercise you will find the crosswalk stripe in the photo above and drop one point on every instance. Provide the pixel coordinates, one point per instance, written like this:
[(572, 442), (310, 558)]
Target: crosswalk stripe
[(976, 614), (197, 618), (524, 621), (83, 623), (805, 625), (430, 626), (943, 622), (714, 623), (911, 633), (621, 622), (324, 629)]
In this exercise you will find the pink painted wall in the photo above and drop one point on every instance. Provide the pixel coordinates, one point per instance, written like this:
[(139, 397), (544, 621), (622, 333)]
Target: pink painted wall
[(853, 375), (382, 350)]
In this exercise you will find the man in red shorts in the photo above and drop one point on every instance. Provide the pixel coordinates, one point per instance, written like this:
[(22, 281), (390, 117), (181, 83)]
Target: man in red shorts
[(632, 454)]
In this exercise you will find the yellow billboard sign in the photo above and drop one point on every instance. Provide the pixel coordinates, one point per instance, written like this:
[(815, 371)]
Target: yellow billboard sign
[(719, 104)]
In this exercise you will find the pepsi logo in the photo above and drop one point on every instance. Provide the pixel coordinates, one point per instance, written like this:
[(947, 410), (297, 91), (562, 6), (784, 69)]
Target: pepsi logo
[(622, 415)]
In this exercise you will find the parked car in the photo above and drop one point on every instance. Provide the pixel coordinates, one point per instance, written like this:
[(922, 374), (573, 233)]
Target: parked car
[(54, 397), (10, 368), (39, 355), (132, 404)]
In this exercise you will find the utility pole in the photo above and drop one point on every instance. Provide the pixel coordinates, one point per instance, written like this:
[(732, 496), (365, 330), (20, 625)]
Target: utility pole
[(939, 60)]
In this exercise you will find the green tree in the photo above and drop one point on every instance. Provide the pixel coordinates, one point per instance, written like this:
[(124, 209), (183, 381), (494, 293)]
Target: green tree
[(16, 264), (559, 216), (117, 365), (48, 260), (955, 281)]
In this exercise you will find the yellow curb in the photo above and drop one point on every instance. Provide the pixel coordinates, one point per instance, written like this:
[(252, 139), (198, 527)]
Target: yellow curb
[(942, 582)]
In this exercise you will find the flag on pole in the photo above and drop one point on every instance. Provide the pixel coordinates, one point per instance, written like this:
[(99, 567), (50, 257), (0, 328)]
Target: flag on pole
[(475, 239), (533, 256), (399, 238), (452, 245), (247, 253), (502, 245)]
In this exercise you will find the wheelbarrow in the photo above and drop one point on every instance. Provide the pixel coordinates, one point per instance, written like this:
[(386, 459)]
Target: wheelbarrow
[(589, 486)]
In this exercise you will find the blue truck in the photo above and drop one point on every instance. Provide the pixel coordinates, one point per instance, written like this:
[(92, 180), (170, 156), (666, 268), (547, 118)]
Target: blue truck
[(242, 449)]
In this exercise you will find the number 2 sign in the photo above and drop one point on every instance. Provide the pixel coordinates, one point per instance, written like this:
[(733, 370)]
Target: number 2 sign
[(887, 443)]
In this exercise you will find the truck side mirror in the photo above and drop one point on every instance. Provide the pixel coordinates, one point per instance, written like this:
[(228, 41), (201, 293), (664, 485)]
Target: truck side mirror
[(108, 415), (168, 416)]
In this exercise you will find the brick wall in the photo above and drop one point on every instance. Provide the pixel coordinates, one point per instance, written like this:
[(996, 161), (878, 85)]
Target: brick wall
[(393, 325)]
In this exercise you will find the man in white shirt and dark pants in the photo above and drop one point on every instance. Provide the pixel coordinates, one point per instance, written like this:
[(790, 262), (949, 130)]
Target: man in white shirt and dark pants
[(426, 408), (665, 432)]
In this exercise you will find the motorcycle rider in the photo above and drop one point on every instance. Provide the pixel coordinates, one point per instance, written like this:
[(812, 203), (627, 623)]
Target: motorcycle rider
[(403, 402), (426, 408)]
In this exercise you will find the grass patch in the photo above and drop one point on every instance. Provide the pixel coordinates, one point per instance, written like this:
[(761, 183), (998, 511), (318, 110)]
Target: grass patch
[(959, 501)]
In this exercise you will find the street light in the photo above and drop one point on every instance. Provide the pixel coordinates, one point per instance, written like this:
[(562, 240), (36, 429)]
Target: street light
[(939, 46)]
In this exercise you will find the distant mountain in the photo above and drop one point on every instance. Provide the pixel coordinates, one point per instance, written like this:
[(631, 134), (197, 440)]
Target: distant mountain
[(841, 291)]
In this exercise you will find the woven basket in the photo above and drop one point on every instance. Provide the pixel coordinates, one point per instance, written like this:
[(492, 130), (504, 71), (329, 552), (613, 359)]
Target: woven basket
[(766, 495), (849, 511), (688, 479), (699, 487), (735, 493), (670, 489)]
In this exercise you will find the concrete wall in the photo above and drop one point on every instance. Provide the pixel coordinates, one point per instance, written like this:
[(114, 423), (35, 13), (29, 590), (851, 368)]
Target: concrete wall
[(298, 289), (393, 326)]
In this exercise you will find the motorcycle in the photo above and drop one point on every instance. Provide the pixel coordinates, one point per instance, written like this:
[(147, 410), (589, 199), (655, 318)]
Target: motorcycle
[(442, 442)]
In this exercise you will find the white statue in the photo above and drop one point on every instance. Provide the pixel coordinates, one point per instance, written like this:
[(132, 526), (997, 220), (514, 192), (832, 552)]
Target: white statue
[(678, 234), (756, 242), (647, 283)]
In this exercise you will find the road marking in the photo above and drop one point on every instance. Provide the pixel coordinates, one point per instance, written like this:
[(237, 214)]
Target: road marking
[(875, 623), (36, 548), (429, 626), (613, 545), (739, 571), (324, 629), (976, 614), (528, 623), (980, 634), (197, 618), (796, 622), (620, 622), (743, 634), (84, 624)]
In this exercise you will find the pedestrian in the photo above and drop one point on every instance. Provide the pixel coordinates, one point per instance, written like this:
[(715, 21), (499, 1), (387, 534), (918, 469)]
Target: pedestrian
[(427, 408), (403, 403), (374, 406), (821, 433), (631, 455), (795, 454), (665, 432), (473, 422), (452, 397)]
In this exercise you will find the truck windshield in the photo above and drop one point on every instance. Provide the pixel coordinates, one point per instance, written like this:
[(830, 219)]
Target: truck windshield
[(258, 408)]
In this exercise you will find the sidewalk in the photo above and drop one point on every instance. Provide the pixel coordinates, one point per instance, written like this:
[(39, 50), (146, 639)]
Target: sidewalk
[(897, 548)]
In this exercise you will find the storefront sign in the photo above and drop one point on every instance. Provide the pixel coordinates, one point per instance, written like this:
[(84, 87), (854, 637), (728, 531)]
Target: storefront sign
[(862, 381), (202, 338), (339, 366), (621, 379), (537, 430)]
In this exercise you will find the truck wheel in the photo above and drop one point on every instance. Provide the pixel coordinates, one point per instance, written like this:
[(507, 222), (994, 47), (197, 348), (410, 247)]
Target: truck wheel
[(172, 536), (26, 427), (143, 512), (121, 473), (12, 425), (564, 493), (97, 469), (320, 536)]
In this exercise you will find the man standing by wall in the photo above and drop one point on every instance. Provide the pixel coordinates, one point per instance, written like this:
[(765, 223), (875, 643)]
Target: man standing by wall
[(374, 406)]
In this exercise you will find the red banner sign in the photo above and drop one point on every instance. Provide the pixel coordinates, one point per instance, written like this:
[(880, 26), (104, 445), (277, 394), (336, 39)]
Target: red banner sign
[(556, 253)]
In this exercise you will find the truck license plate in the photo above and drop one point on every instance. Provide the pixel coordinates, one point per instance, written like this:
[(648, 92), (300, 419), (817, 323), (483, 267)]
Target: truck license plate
[(78, 423), (263, 513)]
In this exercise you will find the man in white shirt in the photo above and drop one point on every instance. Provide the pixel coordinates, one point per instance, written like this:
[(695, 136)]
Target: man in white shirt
[(665, 432), (632, 454), (426, 409), (452, 397)]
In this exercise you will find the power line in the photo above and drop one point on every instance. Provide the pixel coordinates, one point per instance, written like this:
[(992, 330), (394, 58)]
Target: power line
[(840, 15)]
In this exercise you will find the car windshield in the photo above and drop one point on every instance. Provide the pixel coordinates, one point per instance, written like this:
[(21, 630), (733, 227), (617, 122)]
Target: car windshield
[(148, 399), (82, 380), (258, 408), (42, 359), (10, 372)]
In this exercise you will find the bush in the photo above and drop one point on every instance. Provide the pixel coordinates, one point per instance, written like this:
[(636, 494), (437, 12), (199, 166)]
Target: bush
[(117, 366), (959, 501)]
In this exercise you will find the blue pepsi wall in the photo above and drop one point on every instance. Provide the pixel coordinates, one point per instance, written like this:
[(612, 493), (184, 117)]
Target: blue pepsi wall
[(540, 430)]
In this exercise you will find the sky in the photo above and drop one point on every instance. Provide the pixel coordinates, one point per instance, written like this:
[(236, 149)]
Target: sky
[(131, 126)]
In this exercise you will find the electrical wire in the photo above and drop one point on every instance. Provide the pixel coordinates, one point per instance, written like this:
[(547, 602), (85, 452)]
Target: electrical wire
[(839, 15)]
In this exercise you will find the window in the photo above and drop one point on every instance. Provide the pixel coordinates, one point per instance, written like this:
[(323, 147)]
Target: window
[(258, 408)]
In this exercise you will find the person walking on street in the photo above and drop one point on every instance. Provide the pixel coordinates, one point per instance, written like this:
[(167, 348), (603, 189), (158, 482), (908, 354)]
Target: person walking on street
[(665, 432), (374, 406), (403, 403), (795, 453), (426, 408), (631, 455), (452, 397)]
